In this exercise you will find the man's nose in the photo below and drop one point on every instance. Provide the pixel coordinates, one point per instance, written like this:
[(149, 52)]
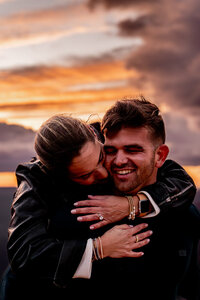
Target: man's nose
[(120, 159), (101, 172)]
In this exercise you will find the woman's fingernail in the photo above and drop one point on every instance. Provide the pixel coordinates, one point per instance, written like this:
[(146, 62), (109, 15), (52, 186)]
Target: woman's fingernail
[(76, 204), (73, 211), (91, 227), (79, 218)]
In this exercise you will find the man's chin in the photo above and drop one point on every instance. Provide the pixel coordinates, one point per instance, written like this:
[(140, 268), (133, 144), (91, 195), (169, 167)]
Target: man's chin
[(122, 188)]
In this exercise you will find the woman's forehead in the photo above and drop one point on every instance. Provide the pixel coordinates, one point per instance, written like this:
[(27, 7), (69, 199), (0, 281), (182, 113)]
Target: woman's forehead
[(87, 160)]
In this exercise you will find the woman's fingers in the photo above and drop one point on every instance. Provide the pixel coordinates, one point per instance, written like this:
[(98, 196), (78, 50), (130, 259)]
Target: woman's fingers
[(134, 254), (85, 210), (138, 228), (88, 203), (140, 244), (140, 236)]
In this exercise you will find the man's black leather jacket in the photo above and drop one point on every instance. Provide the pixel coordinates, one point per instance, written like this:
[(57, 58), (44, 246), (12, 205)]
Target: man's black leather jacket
[(32, 249)]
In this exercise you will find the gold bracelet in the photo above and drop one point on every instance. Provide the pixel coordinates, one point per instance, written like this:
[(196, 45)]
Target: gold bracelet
[(131, 208), (94, 250), (101, 247)]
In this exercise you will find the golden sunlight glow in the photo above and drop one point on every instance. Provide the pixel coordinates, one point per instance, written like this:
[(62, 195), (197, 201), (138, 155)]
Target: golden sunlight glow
[(40, 84), (30, 96), (7, 179), (194, 172)]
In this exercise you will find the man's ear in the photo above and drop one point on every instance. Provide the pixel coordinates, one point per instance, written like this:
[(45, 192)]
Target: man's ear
[(161, 155)]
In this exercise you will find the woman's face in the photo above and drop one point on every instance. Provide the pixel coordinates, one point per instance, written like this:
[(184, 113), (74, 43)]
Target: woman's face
[(87, 168)]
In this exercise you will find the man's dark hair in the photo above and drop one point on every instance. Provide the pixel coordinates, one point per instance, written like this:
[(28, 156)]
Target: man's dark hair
[(134, 113), (60, 139)]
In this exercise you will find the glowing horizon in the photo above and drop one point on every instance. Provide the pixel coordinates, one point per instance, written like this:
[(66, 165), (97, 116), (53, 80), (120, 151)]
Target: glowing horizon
[(8, 179)]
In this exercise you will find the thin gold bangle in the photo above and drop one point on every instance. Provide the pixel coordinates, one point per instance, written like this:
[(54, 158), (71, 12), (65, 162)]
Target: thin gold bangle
[(132, 208), (101, 247)]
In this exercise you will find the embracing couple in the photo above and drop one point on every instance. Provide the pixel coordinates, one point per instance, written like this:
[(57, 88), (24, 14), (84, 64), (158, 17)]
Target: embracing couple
[(101, 211)]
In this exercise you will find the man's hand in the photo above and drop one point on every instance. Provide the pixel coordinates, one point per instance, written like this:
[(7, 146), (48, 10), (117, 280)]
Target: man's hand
[(107, 209)]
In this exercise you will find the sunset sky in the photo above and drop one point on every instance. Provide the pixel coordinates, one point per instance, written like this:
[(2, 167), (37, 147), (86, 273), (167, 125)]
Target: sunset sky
[(80, 56)]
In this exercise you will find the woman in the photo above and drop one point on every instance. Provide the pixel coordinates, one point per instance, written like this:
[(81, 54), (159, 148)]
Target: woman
[(69, 168)]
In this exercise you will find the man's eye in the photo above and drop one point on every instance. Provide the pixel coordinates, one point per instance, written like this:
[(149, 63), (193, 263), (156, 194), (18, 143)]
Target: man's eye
[(110, 150), (133, 150)]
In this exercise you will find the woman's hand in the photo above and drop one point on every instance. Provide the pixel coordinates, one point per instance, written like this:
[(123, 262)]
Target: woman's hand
[(107, 209), (121, 240)]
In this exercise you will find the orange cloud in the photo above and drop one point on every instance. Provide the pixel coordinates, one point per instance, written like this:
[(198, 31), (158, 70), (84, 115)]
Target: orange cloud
[(36, 92), (44, 84)]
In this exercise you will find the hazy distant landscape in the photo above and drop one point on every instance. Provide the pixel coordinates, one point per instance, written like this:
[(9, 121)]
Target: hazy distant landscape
[(6, 195)]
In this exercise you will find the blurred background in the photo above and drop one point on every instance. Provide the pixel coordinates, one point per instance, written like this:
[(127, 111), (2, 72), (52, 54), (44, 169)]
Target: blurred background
[(79, 57)]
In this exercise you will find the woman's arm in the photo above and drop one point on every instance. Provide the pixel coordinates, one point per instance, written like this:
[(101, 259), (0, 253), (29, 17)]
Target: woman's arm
[(37, 248), (174, 189), (30, 247)]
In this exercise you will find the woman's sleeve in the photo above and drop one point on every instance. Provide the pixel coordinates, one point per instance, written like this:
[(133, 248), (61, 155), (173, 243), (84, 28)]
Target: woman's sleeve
[(30, 246), (174, 187)]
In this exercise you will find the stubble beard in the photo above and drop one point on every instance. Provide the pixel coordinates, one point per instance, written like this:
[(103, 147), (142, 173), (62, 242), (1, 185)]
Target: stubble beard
[(139, 180)]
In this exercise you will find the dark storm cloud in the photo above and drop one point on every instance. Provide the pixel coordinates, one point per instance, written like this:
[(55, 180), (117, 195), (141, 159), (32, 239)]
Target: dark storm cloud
[(119, 3), (169, 59), (16, 146), (131, 27), (118, 53)]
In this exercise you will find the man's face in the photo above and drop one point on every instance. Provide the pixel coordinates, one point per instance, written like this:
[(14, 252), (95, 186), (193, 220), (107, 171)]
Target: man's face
[(87, 168), (130, 159)]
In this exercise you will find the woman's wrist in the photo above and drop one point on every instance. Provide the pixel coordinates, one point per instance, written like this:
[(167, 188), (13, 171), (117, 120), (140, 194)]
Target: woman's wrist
[(98, 251), (132, 206)]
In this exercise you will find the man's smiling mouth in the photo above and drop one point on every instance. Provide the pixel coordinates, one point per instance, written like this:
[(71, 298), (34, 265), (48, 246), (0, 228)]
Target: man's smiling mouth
[(123, 172)]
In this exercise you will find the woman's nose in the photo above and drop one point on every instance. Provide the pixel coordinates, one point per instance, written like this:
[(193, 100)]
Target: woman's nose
[(101, 172)]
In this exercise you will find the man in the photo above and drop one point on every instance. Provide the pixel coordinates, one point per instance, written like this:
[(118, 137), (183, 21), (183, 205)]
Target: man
[(37, 188), (135, 149)]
